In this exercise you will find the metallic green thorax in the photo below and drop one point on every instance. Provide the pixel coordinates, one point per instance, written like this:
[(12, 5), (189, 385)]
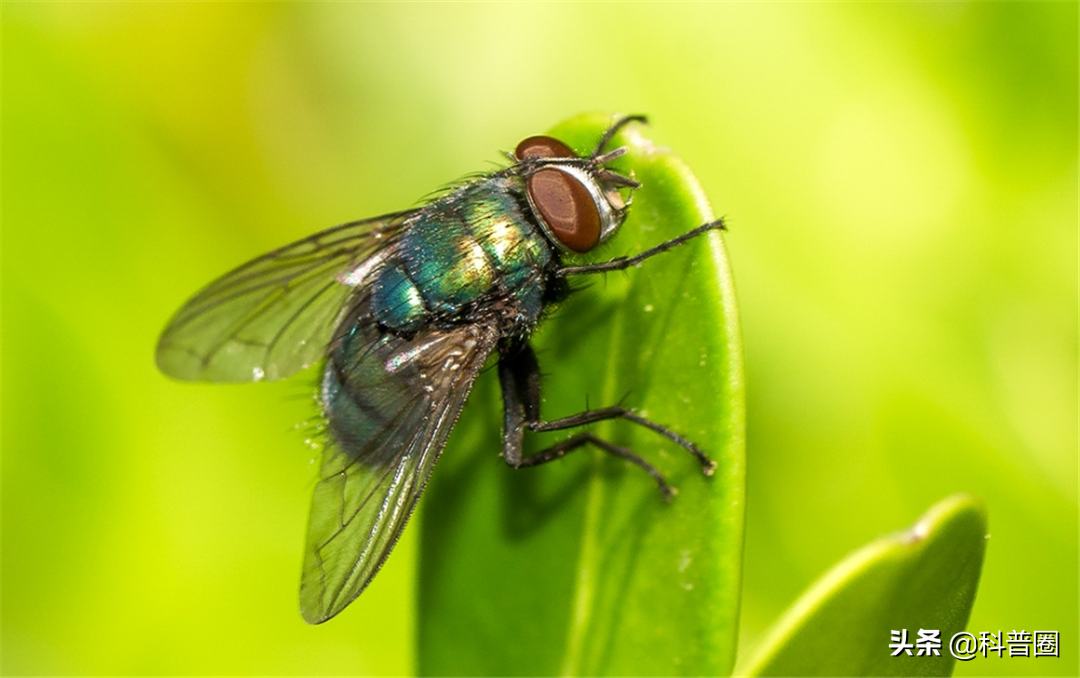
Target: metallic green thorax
[(479, 243)]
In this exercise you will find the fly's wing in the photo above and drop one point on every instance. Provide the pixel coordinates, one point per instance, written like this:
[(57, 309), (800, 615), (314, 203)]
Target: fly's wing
[(275, 315), (390, 404)]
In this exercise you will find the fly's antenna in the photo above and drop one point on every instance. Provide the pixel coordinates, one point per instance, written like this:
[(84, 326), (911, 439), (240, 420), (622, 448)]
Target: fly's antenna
[(614, 129), (601, 160), (616, 179)]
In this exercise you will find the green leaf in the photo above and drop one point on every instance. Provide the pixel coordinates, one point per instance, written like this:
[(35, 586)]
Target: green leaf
[(922, 578), (579, 566)]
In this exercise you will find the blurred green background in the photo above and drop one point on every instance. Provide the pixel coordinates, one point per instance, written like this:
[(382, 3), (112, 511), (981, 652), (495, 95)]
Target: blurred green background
[(901, 187)]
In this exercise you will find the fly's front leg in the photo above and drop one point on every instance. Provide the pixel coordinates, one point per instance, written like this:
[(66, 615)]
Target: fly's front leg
[(621, 263), (519, 376)]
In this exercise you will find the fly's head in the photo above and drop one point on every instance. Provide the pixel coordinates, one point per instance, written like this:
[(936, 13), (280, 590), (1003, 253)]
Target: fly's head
[(578, 201)]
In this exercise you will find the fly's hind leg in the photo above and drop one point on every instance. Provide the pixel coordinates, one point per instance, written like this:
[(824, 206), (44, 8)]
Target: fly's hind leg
[(519, 376)]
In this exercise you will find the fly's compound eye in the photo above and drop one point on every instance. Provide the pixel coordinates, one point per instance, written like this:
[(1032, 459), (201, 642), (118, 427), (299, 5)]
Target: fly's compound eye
[(535, 148), (566, 207), (572, 207)]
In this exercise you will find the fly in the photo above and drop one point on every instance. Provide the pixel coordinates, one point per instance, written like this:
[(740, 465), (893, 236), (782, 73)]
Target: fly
[(406, 308)]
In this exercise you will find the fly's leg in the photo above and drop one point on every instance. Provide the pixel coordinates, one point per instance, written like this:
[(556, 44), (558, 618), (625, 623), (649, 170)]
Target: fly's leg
[(613, 130), (621, 263), (519, 376)]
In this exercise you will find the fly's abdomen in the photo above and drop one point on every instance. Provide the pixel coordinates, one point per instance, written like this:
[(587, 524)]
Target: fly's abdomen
[(360, 396), (471, 248)]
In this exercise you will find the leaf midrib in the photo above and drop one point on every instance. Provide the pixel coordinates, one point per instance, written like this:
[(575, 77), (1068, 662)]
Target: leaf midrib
[(581, 605)]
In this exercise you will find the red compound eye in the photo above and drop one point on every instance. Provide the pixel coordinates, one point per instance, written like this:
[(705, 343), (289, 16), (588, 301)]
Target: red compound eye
[(566, 207), (542, 147)]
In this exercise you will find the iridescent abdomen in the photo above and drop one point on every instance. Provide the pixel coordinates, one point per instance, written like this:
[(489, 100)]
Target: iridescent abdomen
[(476, 244)]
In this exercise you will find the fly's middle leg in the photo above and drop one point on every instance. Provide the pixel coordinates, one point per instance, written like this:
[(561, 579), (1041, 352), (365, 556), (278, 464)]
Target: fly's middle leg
[(519, 376)]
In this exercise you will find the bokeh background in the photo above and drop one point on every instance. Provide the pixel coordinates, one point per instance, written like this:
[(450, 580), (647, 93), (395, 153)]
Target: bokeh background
[(900, 181)]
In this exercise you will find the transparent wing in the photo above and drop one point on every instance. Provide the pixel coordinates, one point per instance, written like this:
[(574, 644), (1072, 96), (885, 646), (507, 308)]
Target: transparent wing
[(274, 315), (390, 404)]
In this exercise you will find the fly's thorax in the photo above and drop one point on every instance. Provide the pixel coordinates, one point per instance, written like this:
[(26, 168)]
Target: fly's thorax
[(470, 252), (515, 248), (396, 300)]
